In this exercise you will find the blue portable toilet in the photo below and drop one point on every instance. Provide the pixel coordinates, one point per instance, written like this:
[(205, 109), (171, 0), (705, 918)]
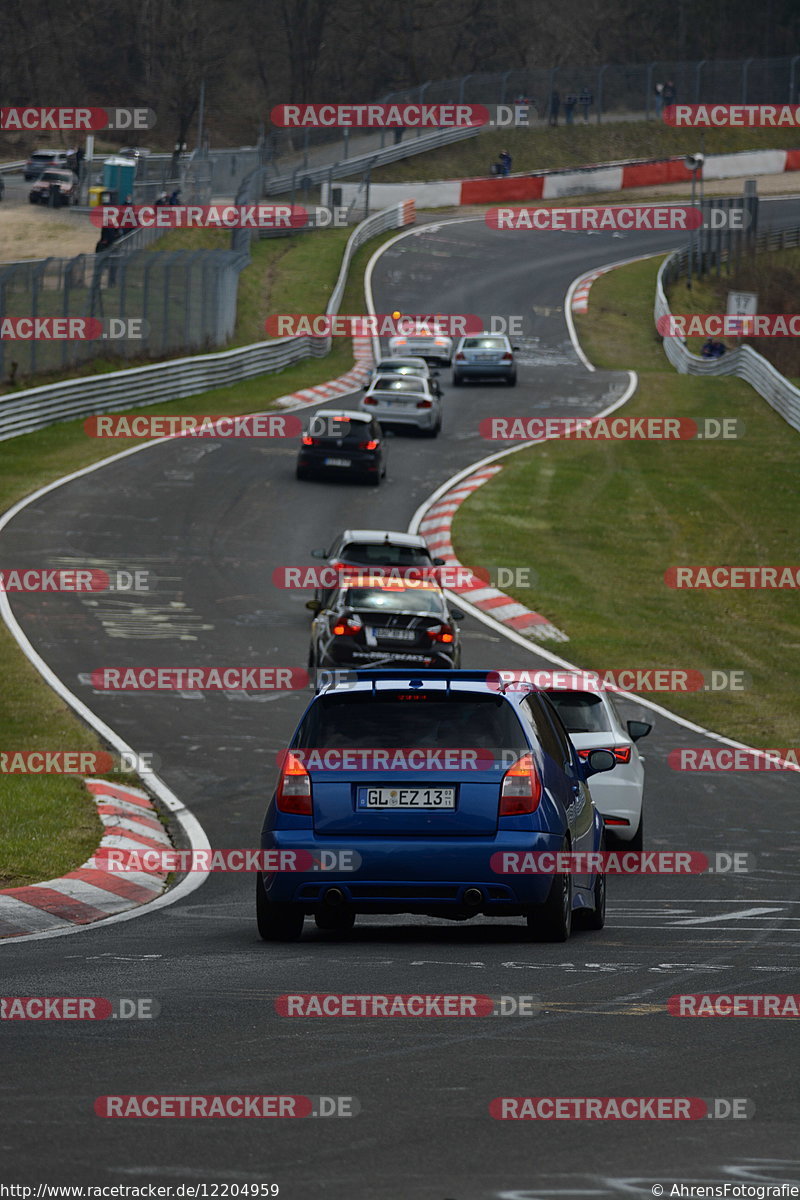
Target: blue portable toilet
[(118, 176)]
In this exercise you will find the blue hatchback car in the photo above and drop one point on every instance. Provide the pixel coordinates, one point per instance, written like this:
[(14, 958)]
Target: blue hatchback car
[(435, 780)]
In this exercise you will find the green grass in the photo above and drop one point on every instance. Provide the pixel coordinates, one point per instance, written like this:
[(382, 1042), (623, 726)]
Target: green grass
[(47, 825), (542, 148), (636, 508)]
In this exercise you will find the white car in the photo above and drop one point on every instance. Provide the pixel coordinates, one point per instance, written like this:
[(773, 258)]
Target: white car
[(432, 347), (407, 365), (593, 723), (404, 400)]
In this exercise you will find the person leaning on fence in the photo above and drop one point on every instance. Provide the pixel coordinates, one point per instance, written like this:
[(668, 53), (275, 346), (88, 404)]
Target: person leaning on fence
[(569, 107)]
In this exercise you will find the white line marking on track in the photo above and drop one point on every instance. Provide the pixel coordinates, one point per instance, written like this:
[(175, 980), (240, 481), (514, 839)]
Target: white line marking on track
[(746, 912)]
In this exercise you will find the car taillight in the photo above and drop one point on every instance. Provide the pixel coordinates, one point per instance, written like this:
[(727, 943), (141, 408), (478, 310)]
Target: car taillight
[(373, 445), (460, 356), (508, 356), (346, 626), (441, 633), (424, 404), (621, 753), (307, 440), (294, 787), (369, 400), (521, 790)]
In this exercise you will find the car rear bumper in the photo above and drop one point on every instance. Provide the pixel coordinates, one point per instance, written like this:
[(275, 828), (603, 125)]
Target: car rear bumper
[(484, 370), (416, 874), (419, 418), (345, 654), (360, 464)]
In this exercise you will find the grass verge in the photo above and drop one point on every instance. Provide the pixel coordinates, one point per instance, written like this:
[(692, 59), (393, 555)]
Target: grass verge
[(636, 508), (47, 825)]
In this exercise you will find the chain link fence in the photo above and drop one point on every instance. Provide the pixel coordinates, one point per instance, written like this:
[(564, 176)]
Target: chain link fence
[(182, 300)]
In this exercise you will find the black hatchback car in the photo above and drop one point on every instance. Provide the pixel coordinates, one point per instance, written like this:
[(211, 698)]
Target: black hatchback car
[(344, 443), (385, 622)]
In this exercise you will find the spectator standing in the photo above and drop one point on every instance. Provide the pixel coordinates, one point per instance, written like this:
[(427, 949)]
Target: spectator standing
[(659, 100), (586, 99), (555, 104), (505, 162), (670, 94), (569, 107)]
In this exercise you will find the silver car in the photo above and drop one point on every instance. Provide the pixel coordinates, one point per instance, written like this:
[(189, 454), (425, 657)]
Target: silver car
[(407, 365), (404, 400), (485, 356), (430, 346)]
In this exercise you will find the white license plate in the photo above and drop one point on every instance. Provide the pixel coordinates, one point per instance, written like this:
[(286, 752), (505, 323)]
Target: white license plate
[(394, 635), (426, 797), (337, 462)]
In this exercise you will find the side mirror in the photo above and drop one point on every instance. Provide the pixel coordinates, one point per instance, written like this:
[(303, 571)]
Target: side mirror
[(439, 562), (515, 348), (457, 614), (599, 761), (638, 729), (314, 606), (319, 554)]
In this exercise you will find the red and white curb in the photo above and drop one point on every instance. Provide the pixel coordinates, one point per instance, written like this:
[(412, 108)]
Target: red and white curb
[(580, 297), (351, 381), (91, 893), (435, 527)]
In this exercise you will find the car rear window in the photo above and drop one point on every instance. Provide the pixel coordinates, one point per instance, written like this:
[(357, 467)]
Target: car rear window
[(395, 599), (367, 554), (581, 712), (458, 721), (323, 426), (484, 343), (390, 383)]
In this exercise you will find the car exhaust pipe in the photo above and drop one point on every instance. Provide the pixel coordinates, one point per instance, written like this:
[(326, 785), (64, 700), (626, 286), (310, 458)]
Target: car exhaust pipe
[(473, 898), (334, 897)]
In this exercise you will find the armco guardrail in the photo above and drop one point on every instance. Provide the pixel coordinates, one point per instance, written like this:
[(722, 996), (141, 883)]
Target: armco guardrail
[(745, 363), (281, 184), (24, 412)]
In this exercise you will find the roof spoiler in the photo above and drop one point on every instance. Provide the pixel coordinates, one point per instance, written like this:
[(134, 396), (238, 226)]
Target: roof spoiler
[(330, 679)]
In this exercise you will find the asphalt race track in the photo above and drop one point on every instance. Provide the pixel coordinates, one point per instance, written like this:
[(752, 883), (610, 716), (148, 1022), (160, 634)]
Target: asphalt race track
[(211, 520)]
